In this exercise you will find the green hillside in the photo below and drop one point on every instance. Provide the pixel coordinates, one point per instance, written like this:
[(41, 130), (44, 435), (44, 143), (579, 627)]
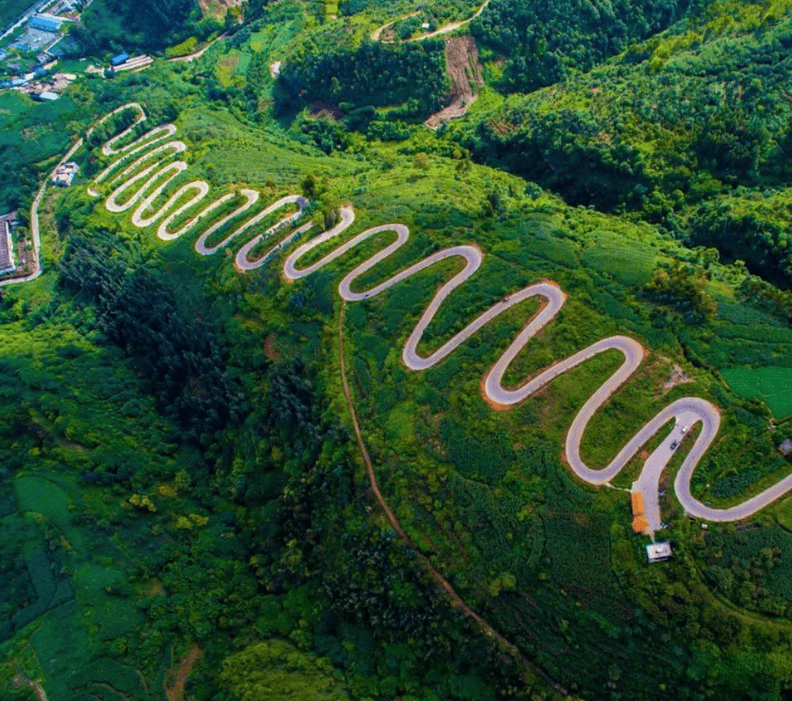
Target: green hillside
[(187, 508)]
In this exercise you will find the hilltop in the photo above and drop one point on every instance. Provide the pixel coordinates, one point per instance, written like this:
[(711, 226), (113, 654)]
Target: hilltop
[(230, 473)]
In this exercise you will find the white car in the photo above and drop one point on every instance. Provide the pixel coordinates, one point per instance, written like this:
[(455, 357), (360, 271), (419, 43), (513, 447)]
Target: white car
[(684, 429)]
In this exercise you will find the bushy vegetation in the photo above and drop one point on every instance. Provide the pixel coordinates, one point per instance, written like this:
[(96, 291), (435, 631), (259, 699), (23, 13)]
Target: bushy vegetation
[(751, 567), (374, 74), (123, 25), (543, 42), (11, 11), (670, 127)]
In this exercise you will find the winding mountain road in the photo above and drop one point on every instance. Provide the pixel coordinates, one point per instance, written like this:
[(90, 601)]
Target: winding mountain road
[(143, 173)]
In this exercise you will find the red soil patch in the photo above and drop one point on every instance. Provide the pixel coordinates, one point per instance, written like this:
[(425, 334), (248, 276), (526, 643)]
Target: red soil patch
[(270, 348)]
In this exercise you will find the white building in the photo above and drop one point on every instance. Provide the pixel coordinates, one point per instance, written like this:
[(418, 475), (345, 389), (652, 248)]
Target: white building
[(657, 552), (64, 174), (7, 244)]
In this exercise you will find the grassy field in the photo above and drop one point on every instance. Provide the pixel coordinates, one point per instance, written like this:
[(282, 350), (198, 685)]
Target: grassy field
[(771, 384)]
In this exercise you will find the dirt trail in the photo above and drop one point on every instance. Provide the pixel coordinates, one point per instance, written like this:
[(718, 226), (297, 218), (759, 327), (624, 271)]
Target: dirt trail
[(178, 677), (445, 29), (21, 680), (452, 26), (199, 53), (454, 598), (464, 69), (218, 8), (377, 33)]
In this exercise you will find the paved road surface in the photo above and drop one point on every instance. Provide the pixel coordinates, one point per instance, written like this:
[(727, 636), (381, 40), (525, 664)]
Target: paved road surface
[(138, 178)]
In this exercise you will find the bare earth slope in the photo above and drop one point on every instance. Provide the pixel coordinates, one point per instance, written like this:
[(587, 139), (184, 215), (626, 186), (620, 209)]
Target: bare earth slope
[(464, 69)]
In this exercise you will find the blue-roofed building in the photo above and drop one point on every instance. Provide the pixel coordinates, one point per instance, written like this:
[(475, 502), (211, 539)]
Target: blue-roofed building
[(46, 23), (118, 60)]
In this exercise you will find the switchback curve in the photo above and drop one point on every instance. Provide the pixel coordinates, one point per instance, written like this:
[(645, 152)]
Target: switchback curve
[(145, 175)]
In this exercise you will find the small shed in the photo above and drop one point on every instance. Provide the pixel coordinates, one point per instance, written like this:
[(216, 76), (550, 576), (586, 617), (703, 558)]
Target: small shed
[(45, 96), (640, 524), (786, 447), (119, 59), (637, 503), (657, 552)]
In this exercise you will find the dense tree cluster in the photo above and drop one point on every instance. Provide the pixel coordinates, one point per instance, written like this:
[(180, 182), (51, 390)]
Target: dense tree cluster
[(749, 232), (673, 129), (373, 74), (570, 151), (117, 25), (682, 287), (543, 41), (178, 356)]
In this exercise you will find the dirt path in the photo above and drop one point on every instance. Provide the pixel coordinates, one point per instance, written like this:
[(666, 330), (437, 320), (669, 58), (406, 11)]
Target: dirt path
[(465, 71), (377, 33), (178, 678), (21, 680), (452, 26), (445, 29), (34, 220), (199, 53), (425, 563)]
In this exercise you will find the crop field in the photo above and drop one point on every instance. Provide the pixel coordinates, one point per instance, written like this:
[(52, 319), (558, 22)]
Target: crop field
[(227, 68), (13, 103), (579, 546), (772, 384), (60, 642), (272, 36), (630, 265)]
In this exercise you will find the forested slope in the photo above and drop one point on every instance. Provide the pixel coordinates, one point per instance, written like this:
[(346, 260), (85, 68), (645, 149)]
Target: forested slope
[(541, 43), (149, 25), (690, 129), (183, 499)]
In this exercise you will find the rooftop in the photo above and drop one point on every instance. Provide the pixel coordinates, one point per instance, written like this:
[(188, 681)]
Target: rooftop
[(46, 23), (637, 503), (7, 243), (64, 174), (657, 552)]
